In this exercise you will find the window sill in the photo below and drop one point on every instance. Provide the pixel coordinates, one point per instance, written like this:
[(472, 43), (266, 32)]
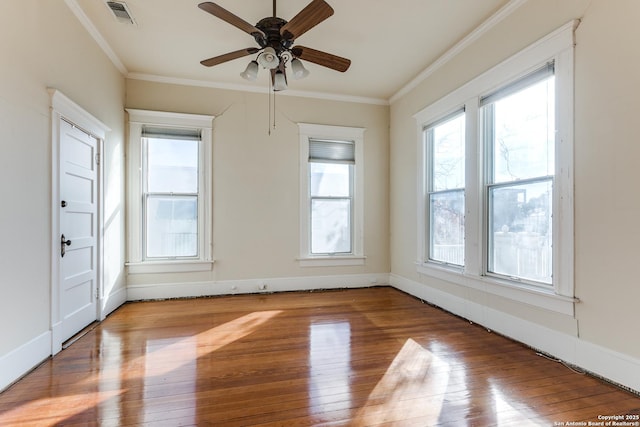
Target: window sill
[(331, 261), (180, 266), (520, 292)]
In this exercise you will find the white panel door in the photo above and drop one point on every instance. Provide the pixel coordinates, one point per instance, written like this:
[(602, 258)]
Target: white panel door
[(78, 228)]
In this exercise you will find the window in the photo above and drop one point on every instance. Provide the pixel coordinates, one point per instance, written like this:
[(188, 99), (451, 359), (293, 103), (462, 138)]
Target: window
[(331, 195), (496, 185), (169, 192), (519, 123), (445, 189)]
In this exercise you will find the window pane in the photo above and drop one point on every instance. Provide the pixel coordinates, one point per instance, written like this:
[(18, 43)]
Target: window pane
[(520, 231), (447, 161), (330, 179), (524, 133), (172, 226), (447, 227), (172, 166), (330, 226)]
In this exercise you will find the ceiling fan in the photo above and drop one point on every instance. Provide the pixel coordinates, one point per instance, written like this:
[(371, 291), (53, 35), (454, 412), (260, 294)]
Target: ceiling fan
[(275, 37)]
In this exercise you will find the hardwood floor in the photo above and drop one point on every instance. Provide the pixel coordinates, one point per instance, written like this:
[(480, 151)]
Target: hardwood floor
[(363, 357)]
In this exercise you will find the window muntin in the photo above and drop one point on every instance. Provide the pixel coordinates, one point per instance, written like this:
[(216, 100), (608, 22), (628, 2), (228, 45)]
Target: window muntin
[(520, 143), (331, 196), (445, 142), (171, 195)]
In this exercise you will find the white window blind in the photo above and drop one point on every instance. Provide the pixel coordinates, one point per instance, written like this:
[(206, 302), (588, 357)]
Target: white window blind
[(527, 80), (171, 133), (326, 151)]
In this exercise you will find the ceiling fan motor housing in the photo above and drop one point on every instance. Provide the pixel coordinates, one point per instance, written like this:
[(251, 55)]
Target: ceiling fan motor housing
[(270, 26)]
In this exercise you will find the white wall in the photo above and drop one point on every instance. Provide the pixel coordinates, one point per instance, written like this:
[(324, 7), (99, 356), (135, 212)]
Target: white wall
[(43, 45), (256, 181), (606, 175)]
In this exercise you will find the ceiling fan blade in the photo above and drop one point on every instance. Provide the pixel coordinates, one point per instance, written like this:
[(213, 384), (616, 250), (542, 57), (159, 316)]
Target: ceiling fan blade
[(230, 18), (321, 58), (313, 14), (229, 56)]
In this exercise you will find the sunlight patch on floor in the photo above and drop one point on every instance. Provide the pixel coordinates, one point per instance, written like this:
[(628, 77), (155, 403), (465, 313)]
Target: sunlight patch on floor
[(413, 386), (161, 358), (506, 413), (57, 408), (186, 350)]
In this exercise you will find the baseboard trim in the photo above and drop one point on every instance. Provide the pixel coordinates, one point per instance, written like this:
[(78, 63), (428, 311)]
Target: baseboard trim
[(114, 300), (251, 286), (23, 359), (613, 366), (610, 365)]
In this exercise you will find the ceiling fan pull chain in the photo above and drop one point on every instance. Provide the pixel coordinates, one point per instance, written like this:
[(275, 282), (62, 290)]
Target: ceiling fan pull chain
[(269, 100)]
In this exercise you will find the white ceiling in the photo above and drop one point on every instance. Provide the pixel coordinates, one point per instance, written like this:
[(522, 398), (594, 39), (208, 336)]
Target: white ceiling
[(389, 42)]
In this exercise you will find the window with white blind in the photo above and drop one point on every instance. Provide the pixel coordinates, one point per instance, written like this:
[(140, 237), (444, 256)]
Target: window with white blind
[(495, 210), (331, 195), (171, 192), (170, 198)]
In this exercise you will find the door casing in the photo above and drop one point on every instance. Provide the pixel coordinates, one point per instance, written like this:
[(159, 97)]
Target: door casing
[(63, 108)]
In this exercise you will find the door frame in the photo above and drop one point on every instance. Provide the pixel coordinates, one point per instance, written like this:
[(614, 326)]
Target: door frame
[(63, 108)]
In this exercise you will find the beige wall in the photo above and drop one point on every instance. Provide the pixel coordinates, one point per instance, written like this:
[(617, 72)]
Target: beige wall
[(43, 45), (256, 178), (606, 152), (256, 175)]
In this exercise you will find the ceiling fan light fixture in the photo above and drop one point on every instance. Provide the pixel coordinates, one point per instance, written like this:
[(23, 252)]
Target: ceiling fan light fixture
[(297, 69), (268, 58), (279, 81), (251, 72)]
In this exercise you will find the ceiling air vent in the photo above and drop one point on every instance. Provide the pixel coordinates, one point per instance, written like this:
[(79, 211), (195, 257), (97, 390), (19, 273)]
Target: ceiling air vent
[(121, 12)]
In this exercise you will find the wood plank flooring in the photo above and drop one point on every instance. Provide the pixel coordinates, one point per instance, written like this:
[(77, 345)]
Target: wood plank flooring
[(363, 357)]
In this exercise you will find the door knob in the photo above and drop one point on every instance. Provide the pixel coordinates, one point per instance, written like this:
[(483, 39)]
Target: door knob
[(63, 244)]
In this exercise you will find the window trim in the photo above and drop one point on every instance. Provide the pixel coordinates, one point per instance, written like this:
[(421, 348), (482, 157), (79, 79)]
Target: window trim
[(558, 47), (307, 132), (136, 262)]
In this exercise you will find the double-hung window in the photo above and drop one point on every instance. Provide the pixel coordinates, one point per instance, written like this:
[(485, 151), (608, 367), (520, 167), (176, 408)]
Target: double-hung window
[(519, 138), (169, 192), (331, 194), (495, 207), (445, 189)]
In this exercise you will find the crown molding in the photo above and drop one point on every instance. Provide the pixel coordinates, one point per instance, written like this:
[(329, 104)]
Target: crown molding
[(487, 25), (255, 89), (93, 31), (106, 48)]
